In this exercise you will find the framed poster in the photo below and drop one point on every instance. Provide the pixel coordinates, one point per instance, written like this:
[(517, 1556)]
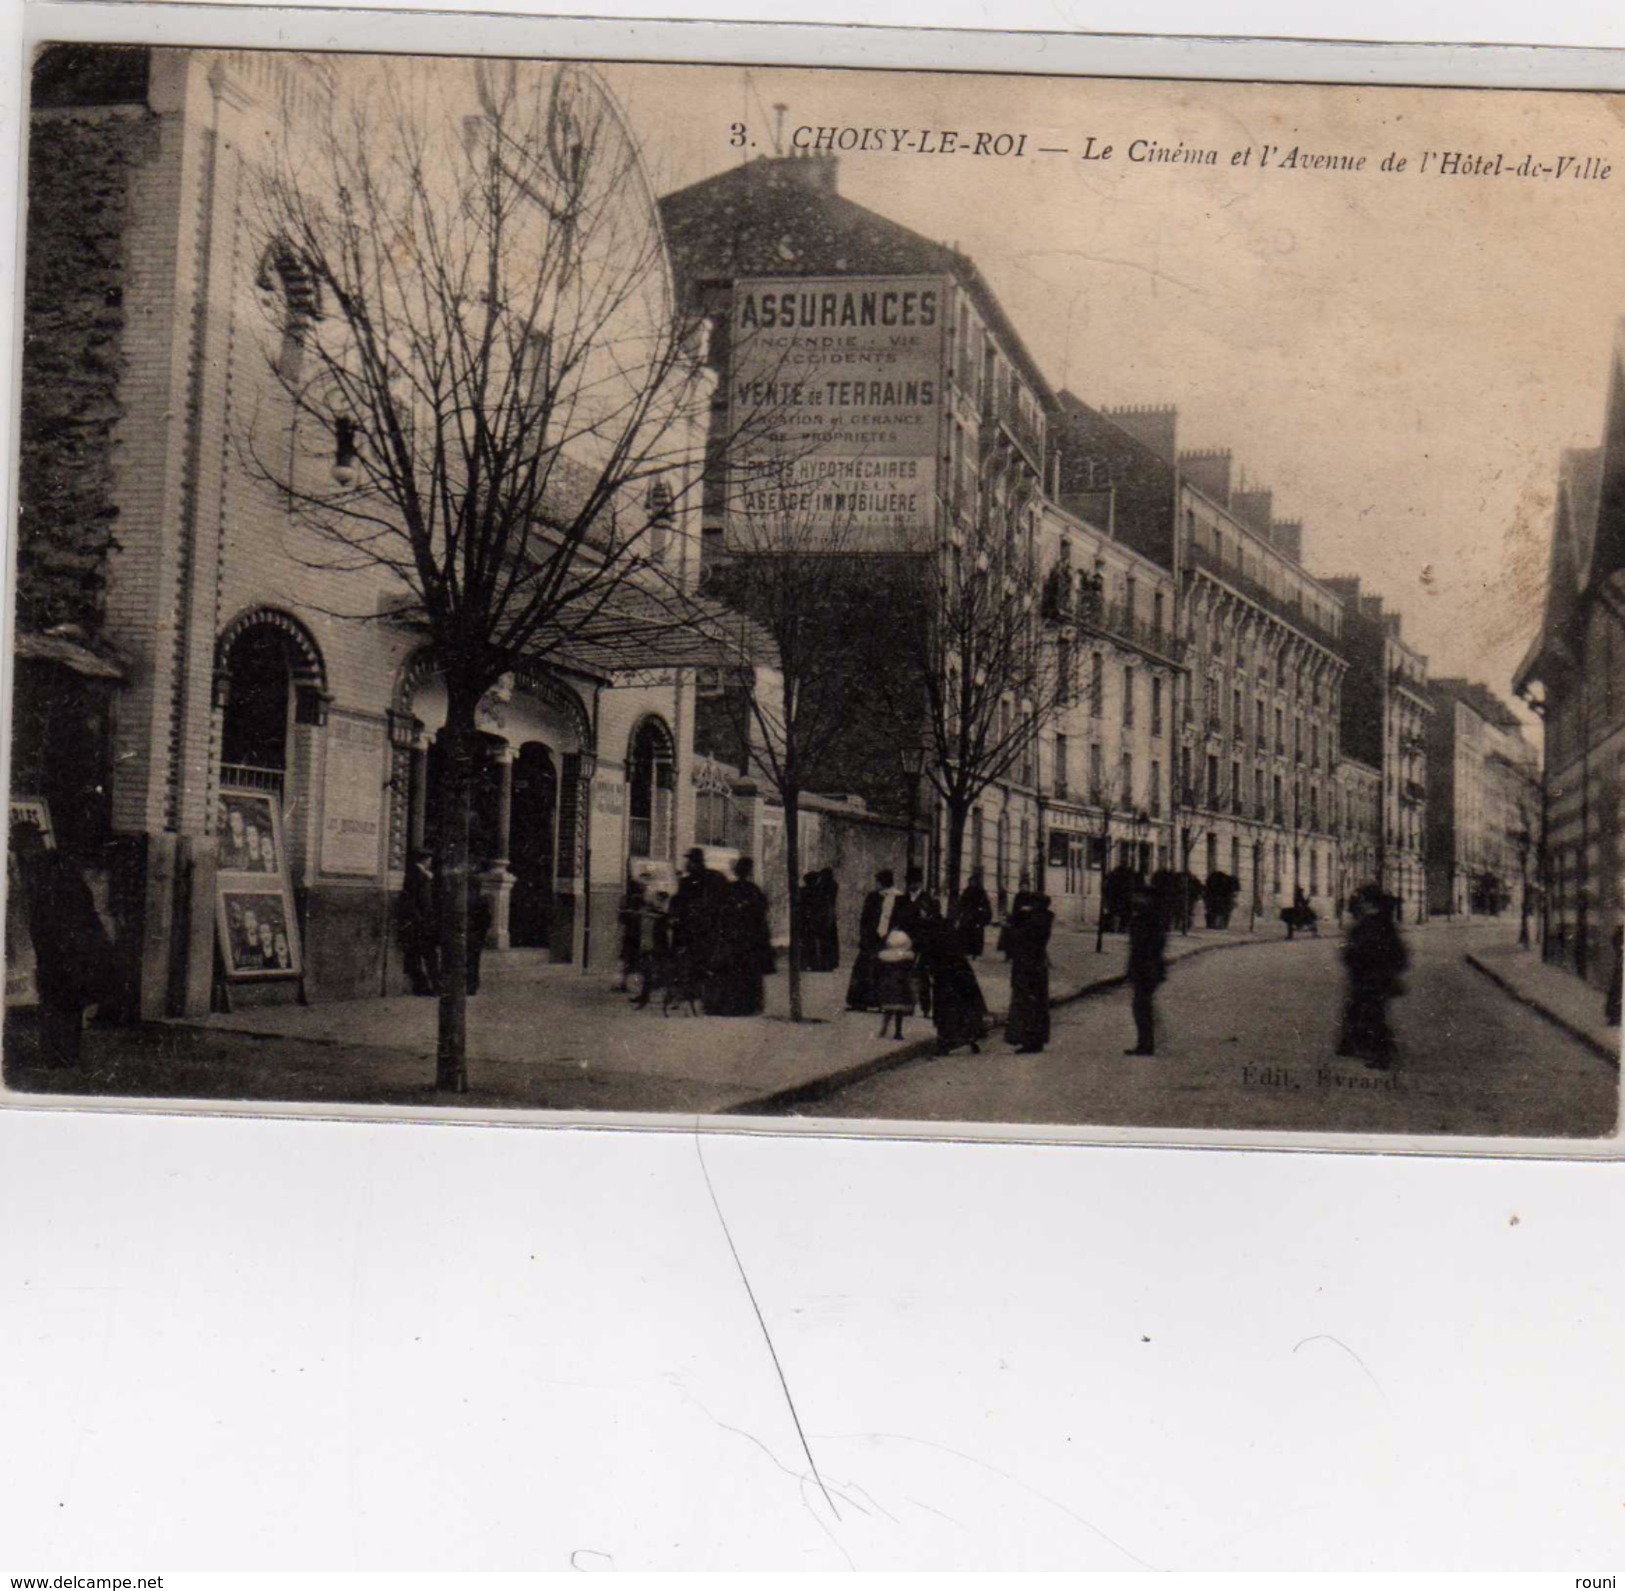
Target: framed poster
[(256, 925), (248, 832), (259, 937)]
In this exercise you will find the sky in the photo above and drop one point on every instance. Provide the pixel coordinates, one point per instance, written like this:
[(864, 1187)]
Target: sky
[(1401, 355)]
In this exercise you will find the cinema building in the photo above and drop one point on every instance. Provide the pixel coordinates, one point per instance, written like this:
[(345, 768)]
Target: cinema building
[(209, 675)]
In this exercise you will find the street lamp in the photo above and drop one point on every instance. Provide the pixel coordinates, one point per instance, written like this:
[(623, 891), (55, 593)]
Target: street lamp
[(911, 760)]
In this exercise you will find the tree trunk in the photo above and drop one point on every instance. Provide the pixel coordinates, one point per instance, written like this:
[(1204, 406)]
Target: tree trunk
[(458, 744), (792, 864), (958, 811)]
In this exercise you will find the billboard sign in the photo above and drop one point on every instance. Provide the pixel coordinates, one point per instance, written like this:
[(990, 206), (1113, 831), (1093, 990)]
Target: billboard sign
[(836, 397)]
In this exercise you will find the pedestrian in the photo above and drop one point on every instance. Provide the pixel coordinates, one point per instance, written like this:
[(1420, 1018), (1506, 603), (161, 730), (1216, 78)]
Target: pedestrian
[(480, 918), (1147, 966), (926, 919), (420, 925), (654, 947), (72, 948), (1026, 937), (1616, 979), (693, 922), (894, 981), (829, 893), (974, 914), (958, 1010), (627, 922), (1375, 959), (744, 947), (874, 924), (911, 902)]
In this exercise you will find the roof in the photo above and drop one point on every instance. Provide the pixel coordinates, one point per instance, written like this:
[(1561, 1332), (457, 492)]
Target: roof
[(1478, 698), (784, 217), (68, 654), (1574, 532)]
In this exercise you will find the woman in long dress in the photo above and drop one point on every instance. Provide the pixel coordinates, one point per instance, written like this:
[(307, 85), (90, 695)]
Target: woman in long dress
[(1027, 937), (958, 1010)]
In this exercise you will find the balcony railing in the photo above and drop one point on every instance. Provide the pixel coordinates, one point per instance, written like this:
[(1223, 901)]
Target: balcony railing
[(1282, 607), (241, 776), (1412, 792), (1000, 408), (1085, 607)]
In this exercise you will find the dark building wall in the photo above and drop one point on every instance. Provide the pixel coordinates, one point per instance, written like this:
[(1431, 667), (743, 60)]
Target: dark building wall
[(1365, 684), (1441, 809), (74, 285), (1098, 453)]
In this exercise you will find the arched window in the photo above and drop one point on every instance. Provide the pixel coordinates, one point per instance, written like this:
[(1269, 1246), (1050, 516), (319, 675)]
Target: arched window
[(651, 778), (269, 677), (292, 298)]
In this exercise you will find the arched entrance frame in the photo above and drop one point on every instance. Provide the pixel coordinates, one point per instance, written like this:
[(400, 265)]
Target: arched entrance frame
[(651, 790), (528, 708), (307, 672)]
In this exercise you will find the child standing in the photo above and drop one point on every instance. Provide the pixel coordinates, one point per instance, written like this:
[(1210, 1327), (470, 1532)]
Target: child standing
[(894, 981)]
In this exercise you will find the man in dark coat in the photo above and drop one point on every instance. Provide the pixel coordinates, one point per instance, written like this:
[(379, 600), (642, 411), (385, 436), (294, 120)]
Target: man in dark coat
[(1147, 966), (974, 914), (1026, 938), (744, 947), (1375, 958), (72, 950), (829, 921), (694, 927), (420, 926), (874, 923)]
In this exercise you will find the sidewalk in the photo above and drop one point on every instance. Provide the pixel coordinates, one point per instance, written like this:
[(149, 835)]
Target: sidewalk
[(563, 1042), (1563, 999)]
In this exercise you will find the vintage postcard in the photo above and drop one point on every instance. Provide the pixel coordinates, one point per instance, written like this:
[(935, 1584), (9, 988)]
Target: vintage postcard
[(960, 603)]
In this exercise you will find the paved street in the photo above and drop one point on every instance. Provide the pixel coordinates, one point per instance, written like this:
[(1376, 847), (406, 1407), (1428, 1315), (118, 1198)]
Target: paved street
[(1247, 1041)]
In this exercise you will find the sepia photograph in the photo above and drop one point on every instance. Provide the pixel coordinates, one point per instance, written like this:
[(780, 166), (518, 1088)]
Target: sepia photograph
[(930, 601)]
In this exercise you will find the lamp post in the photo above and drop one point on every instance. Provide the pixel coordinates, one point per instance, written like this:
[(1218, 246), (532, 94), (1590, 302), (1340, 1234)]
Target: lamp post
[(1523, 839), (911, 760)]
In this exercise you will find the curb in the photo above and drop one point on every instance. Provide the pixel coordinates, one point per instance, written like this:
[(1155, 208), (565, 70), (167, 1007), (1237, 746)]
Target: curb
[(814, 1089), (1574, 1031)]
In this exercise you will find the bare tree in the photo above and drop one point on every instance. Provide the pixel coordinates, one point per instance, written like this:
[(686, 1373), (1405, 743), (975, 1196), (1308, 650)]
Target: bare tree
[(981, 673), (791, 565), (495, 399)]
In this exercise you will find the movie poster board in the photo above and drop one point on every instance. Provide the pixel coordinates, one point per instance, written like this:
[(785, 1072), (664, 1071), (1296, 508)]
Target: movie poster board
[(256, 926)]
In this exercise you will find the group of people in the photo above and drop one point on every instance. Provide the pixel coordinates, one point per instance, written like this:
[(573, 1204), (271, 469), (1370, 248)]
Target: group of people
[(911, 957), (708, 946), (261, 942), (420, 926)]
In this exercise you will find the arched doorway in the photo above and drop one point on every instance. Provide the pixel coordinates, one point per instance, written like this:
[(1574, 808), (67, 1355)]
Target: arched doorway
[(534, 843), (651, 780)]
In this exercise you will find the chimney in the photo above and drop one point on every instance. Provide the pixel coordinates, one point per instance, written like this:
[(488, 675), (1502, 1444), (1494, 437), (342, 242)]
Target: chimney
[(1253, 507), (1371, 608), (816, 169), (1286, 535), (1346, 588), (1152, 424), (1208, 470)]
